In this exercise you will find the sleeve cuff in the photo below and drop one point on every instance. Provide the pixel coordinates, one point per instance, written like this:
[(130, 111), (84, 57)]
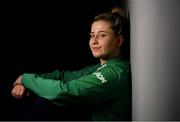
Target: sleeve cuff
[(26, 77)]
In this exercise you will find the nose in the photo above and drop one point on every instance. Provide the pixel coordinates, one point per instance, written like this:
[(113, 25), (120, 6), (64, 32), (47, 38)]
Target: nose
[(94, 40)]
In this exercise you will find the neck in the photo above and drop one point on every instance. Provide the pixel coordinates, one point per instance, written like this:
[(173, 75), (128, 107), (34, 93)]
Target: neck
[(103, 61)]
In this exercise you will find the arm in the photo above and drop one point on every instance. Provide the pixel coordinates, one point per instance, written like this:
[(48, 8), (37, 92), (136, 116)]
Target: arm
[(19, 91), (78, 90), (68, 75)]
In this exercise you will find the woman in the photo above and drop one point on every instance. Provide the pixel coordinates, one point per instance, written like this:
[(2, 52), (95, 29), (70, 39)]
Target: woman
[(102, 89)]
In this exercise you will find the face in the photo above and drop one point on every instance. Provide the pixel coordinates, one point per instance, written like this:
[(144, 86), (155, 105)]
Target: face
[(103, 42)]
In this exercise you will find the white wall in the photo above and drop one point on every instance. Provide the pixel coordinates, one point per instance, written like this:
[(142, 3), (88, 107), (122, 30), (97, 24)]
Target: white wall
[(155, 58)]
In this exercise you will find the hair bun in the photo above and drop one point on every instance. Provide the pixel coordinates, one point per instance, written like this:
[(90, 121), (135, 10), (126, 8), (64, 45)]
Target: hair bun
[(118, 10)]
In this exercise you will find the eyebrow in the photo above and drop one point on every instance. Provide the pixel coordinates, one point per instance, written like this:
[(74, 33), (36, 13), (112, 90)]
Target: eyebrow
[(100, 32)]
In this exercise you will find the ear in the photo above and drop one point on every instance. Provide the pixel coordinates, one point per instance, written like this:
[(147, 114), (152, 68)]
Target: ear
[(120, 40)]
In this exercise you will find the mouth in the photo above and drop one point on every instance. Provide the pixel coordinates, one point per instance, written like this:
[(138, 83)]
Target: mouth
[(96, 48)]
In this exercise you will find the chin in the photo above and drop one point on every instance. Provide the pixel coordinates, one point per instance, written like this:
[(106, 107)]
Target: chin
[(96, 56)]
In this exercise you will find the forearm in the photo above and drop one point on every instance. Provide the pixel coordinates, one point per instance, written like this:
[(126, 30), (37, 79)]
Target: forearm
[(47, 88), (51, 75)]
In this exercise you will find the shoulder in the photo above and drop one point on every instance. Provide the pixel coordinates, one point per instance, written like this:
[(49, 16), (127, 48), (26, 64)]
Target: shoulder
[(119, 66), (116, 70)]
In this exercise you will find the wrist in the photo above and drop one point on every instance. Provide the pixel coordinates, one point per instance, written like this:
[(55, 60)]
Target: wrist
[(18, 81)]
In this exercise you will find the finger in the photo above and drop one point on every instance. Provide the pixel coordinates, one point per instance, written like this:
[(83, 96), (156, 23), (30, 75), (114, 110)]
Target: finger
[(16, 91), (13, 92), (20, 92)]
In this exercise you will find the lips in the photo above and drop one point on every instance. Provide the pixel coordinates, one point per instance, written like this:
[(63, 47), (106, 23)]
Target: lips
[(96, 48)]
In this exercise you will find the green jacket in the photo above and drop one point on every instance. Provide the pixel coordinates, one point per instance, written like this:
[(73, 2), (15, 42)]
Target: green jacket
[(103, 88)]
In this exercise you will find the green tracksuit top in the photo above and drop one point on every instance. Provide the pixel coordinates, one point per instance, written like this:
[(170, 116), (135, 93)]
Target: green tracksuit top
[(106, 87)]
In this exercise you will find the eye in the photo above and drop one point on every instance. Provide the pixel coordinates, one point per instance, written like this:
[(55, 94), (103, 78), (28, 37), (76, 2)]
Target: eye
[(92, 36), (101, 35)]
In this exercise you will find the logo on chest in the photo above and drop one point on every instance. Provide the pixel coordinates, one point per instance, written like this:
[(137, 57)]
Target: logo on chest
[(100, 77)]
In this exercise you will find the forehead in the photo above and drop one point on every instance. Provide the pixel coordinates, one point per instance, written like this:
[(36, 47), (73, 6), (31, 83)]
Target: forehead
[(101, 25)]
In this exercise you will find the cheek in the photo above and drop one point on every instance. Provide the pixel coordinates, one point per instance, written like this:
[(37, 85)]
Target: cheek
[(110, 46), (90, 44), (107, 44)]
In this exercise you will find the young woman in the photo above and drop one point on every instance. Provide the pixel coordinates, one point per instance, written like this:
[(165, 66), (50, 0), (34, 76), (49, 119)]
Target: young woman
[(102, 89)]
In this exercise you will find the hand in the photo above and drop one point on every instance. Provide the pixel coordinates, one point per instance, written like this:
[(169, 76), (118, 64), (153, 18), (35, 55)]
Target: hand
[(18, 81), (18, 91)]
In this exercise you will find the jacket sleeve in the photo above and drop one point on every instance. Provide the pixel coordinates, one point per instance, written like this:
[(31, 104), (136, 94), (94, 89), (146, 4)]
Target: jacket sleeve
[(67, 75), (95, 87)]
